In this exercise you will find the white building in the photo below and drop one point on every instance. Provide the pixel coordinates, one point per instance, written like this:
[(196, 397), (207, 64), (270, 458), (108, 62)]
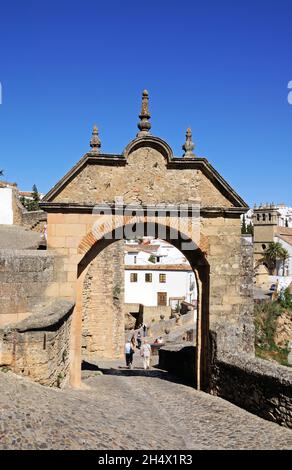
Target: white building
[(286, 241), (153, 251), (6, 203), (157, 273), (284, 215)]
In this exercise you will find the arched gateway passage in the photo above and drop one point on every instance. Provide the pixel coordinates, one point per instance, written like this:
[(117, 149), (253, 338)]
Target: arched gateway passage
[(147, 186), (192, 253)]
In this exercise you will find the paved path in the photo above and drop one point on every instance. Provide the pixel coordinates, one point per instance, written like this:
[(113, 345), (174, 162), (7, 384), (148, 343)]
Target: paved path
[(127, 410)]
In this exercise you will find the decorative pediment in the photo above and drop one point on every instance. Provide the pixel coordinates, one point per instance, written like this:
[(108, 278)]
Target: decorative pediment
[(146, 173)]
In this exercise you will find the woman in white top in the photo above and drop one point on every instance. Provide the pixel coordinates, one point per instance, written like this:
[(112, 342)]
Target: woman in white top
[(146, 354)]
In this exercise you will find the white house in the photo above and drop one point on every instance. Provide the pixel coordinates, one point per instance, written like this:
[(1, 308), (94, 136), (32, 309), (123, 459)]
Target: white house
[(6, 205), (286, 241), (285, 216), (153, 251), (157, 273)]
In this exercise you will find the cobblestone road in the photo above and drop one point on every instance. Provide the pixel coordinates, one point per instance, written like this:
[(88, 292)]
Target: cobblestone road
[(127, 410)]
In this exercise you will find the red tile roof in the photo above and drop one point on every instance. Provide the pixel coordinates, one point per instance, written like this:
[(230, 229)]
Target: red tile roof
[(158, 267)]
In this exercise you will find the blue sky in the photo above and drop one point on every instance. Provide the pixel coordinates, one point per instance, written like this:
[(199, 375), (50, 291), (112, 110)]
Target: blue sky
[(221, 67)]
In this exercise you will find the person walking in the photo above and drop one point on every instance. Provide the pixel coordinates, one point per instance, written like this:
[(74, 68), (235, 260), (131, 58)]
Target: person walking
[(146, 354), (144, 330), (139, 340), (133, 349), (128, 354)]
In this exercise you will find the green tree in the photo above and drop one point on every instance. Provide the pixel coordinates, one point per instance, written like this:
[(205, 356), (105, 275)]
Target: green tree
[(249, 229), (32, 204), (273, 253), (243, 225)]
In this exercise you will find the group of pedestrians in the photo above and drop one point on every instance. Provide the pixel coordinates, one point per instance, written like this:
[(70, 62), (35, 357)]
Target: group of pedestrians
[(144, 348)]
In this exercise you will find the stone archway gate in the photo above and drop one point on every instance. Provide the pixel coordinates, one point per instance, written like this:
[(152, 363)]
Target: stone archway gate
[(93, 199)]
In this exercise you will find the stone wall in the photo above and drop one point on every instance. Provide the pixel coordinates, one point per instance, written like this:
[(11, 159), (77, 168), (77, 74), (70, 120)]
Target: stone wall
[(231, 285), (103, 323), (171, 325), (153, 313), (146, 177), (38, 347), (259, 386), (31, 220), (34, 220), (133, 316), (27, 277), (180, 360)]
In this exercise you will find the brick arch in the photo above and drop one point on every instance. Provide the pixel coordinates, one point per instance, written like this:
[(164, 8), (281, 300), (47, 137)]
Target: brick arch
[(108, 224), (94, 243)]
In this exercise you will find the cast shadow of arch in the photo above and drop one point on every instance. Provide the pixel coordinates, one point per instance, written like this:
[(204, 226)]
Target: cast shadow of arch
[(154, 372)]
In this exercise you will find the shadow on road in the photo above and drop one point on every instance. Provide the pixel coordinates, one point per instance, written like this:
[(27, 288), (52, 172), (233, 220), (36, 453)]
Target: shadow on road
[(88, 370)]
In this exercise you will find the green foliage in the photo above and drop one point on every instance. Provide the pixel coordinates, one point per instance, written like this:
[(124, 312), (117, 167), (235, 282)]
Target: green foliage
[(243, 225), (31, 204), (265, 320), (64, 355), (60, 377), (285, 299), (246, 229), (152, 259), (249, 229), (274, 252)]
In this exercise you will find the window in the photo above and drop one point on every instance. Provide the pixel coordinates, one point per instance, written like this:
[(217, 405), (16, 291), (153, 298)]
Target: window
[(264, 217), (148, 277), (270, 217), (134, 277), (162, 278), (135, 259), (258, 217)]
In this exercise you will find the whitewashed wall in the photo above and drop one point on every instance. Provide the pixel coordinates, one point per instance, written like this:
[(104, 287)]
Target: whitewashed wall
[(177, 285), (6, 208), (288, 264)]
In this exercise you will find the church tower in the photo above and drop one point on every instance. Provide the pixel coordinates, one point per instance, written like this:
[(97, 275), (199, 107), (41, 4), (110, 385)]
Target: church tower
[(265, 222)]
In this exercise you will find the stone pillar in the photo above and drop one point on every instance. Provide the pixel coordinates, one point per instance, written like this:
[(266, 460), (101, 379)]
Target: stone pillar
[(103, 305)]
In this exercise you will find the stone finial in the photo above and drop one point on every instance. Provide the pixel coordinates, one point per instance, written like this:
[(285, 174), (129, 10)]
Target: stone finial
[(95, 143), (189, 145), (144, 125)]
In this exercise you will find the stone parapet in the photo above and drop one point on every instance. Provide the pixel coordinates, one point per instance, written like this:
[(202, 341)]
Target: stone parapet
[(180, 360), (259, 386), (27, 278), (38, 347)]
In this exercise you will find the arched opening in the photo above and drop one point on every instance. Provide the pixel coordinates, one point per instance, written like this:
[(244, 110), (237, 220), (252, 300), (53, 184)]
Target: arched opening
[(109, 244)]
